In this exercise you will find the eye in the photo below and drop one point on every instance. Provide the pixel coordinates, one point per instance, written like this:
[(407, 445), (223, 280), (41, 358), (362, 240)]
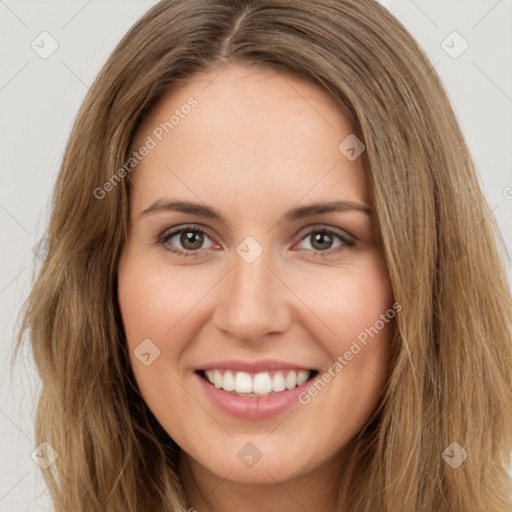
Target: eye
[(191, 239), (322, 240)]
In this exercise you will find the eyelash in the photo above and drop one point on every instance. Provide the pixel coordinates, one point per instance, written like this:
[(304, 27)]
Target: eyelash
[(166, 236)]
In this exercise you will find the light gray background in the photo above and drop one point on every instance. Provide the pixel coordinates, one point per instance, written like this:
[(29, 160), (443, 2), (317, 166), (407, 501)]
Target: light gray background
[(39, 99)]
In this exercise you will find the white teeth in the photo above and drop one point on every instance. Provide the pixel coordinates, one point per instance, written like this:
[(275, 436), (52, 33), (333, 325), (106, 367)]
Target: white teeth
[(243, 383), (278, 382), (302, 376), (260, 384), (228, 382), (217, 378), (291, 380)]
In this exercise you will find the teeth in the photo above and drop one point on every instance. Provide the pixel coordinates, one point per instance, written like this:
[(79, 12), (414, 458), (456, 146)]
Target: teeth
[(291, 380), (278, 382), (243, 383), (217, 378), (228, 382), (302, 376), (260, 384)]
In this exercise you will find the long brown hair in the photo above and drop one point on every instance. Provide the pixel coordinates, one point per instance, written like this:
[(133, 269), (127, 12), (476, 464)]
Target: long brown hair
[(450, 380)]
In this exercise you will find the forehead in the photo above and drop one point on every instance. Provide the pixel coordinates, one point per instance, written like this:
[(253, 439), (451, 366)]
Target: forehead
[(249, 129)]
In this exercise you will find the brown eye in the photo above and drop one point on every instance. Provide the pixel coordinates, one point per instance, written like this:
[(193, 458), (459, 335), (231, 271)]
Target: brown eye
[(191, 240), (322, 240), (184, 240)]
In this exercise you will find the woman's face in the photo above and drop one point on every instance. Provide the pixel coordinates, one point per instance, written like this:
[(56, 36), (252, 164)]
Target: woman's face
[(262, 297)]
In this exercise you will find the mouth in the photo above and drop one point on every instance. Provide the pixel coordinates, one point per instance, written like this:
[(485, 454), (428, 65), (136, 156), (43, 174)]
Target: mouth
[(254, 385)]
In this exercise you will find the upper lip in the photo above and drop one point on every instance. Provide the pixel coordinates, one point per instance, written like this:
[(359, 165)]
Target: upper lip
[(261, 365)]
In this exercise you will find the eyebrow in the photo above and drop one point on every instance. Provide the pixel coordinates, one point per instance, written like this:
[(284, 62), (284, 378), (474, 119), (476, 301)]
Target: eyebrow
[(209, 212)]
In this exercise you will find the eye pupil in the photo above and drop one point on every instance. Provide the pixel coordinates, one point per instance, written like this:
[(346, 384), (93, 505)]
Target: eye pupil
[(195, 238), (322, 237)]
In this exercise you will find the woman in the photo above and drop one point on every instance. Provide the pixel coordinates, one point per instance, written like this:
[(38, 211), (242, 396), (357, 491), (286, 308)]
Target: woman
[(255, 369)]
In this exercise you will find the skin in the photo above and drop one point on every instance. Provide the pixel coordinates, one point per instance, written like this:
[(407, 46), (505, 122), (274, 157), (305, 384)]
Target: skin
[(257, 144)]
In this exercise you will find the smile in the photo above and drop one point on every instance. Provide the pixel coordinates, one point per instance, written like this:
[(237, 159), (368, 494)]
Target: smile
[(259, 384), (254, 391)]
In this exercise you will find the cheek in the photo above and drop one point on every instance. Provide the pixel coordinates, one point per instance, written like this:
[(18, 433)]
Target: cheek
[(349, 301), (163, 305), (156, 305), (356, 309), (155, 302)]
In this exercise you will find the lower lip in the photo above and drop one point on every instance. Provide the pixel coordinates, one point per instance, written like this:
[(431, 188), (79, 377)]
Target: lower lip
[(256, 407)]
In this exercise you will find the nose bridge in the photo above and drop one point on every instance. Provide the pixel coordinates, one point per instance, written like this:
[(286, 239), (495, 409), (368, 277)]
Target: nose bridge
[(253, 303)]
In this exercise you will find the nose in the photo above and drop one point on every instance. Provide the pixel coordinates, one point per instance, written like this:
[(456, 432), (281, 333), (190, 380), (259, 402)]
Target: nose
[(254, 301)]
